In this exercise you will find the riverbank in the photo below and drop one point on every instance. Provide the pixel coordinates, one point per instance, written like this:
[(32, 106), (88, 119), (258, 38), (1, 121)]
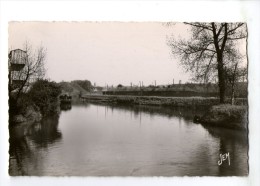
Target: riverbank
[(161, 101), (227, 116), (30, 114), (40, 101)]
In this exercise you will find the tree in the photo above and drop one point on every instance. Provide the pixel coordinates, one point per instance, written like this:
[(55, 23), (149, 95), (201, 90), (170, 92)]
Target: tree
[(235, 74), (209, 50), (33, 69), (85, 84), (44, 94), (119, 86)]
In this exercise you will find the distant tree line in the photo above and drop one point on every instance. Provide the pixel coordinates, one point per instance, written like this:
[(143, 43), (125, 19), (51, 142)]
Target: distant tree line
[(85, 84)]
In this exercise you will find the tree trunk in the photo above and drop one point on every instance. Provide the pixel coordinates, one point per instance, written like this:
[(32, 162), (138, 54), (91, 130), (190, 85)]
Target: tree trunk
[(219, 51), (221, 79), (232, 95), (22, 86), (233, 81)]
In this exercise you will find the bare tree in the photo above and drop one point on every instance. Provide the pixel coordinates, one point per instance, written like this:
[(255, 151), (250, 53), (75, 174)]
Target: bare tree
[(209, 50), (234, 74), (33, 68)]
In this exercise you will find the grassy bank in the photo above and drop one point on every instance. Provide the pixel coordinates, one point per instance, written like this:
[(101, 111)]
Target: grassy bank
[(163, 101), (177, 90), (227, 116)]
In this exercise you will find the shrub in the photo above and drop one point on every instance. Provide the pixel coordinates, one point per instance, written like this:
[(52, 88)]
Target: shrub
[(19, 106), (119, 86), (44, 94)]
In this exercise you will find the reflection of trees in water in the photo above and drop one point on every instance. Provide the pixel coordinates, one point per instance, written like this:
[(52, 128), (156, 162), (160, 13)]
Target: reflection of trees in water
[(46, 132), (18, 149), (80, 103), (232, 141), (184, 112), (65, 106), (221, 141), (25, 140), (236, 143)]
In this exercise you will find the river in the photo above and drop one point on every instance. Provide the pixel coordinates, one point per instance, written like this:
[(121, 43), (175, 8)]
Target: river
[(111, 140)]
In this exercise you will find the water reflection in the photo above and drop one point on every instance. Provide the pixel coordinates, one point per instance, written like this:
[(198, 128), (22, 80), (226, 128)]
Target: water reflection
[(26, 139), (65, 106), (236, 144), (46, 132), (119, 140), (136, 110)]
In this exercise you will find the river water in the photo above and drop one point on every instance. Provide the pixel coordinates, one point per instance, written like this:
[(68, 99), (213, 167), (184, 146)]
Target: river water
[(104, 140)]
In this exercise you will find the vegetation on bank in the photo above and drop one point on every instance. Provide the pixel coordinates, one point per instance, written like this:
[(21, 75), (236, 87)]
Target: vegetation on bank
[(178, 90), (227, 116), (41, 100), (85, 84), (161, 101), (44, 94)]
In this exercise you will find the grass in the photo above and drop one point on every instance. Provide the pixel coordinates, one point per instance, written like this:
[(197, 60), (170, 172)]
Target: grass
[(228, 116)]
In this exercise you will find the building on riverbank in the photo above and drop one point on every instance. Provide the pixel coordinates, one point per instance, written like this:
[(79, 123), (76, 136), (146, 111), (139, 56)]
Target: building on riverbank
[(16, 63)]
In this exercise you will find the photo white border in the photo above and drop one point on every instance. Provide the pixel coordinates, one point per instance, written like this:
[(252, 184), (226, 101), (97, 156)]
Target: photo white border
[(228, 11)]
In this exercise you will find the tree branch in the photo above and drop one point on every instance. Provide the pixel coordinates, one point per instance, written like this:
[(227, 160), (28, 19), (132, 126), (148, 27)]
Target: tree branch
[(232, 30), (222, 25), (198, 25), (225, 38)]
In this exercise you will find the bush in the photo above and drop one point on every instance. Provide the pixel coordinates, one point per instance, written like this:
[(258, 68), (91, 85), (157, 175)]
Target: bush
[(228, 116), (119, 86), (66, 87), (19, 106), (44, 94)]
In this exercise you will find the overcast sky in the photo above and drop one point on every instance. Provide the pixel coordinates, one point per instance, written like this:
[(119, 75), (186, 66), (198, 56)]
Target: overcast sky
[(104, 53)]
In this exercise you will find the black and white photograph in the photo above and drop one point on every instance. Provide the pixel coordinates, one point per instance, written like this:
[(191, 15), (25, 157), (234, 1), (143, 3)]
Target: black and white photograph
[(128, 99), (129, 93)]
